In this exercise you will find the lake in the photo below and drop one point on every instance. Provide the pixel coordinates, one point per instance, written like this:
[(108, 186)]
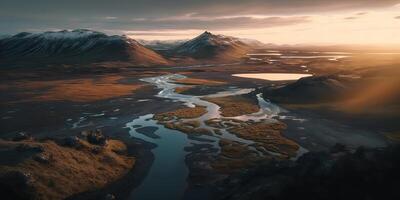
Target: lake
[(273, 76)]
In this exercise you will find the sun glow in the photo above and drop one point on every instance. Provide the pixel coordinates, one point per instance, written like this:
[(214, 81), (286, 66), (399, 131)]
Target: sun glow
[(361, 27)]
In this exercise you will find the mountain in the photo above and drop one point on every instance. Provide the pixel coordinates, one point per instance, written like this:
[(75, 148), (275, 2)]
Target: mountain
[(161, 44), (213, 47), (314, 89), (253, 43), (75, 47)]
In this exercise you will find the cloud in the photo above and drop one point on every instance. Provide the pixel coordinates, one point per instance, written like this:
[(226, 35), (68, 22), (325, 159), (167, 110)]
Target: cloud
[(139, 19), (110, 18), (210, 14), (157, 33), (350, 18), (218, 23), (162, 8), (289, 6)]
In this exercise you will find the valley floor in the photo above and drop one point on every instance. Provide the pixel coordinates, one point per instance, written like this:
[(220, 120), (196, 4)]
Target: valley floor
[(55, 105)]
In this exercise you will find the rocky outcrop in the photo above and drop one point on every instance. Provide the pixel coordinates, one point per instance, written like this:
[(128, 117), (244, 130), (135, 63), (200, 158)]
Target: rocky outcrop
[(31, 169)]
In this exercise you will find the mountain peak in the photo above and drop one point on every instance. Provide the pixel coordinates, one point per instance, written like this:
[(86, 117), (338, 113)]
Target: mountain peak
[(210, 46), (207, 33)]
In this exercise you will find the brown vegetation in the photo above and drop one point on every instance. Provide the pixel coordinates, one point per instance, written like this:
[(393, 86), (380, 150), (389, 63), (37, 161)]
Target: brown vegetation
[(196, 81), (47, 170), (267, 137), (183, 89), (232, 106), (234, 157), (76, 90), (185, 113), (187, 127), (268, 143), (173, 120)]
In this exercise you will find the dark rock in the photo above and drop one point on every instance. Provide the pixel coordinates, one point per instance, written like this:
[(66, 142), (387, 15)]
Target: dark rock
[(96, 150), (96, 137), (42, 158), (21, 136), (109, 197), (16, 185), (27, 147), (71, 141), (338, 148)]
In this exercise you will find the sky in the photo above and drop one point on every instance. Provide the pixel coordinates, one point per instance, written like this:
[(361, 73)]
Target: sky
[(269, 21)]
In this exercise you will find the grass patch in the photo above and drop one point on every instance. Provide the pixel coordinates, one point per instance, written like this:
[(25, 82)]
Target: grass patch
[(182, 113), (62, 171), (268, 136), (232, 106), (196, 81)]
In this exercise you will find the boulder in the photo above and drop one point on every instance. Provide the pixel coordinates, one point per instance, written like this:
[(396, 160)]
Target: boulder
[(28, 147), (109, 197), (96, 137), (21, 136), (42, 158), (71, 141)]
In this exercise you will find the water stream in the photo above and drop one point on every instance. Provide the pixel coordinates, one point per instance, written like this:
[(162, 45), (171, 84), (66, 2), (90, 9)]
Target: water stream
[(167, 176)]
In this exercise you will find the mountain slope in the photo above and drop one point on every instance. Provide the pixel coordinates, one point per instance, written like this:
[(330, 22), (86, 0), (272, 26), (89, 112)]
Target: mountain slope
[(76, 47), (310, 90), (161, 44), (214, 47)]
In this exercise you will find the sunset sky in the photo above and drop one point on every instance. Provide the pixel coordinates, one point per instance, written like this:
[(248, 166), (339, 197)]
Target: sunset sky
[(270, 21)]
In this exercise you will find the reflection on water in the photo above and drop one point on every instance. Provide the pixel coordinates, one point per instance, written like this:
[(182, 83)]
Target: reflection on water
[(167, 175), (273, 76), (312, 57)]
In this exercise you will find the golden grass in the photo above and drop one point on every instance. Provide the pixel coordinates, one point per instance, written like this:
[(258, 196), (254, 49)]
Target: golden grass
[(183, 89), (268, 136), (173, 120), (234, 157), (232, 106), (76, 90), (196, 81), (187, 128), (182, 113), (70, 171)]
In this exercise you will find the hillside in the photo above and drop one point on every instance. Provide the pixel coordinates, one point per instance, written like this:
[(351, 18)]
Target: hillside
[(75, 47)]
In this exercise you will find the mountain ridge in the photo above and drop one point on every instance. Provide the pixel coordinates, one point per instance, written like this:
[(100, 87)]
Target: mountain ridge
[(76, 46)]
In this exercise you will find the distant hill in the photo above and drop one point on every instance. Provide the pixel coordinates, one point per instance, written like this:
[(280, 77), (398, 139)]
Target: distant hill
[(75, 47), (213, 47), (161, 44), (310, 90)]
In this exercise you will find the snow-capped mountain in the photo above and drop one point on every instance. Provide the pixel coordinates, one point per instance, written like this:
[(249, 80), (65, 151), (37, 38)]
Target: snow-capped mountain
[(77, 46), (210, 46)]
